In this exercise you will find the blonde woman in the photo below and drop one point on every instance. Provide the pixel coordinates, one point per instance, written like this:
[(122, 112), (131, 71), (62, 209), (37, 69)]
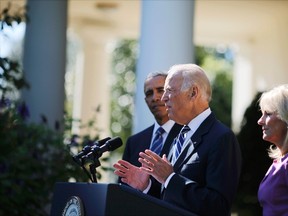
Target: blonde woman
[(273, 190)]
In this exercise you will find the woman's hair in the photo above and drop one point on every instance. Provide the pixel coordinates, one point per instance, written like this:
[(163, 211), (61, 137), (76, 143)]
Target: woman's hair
[(276, 101)]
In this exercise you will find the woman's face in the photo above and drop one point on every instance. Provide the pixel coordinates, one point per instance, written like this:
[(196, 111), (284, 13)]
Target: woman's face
[(274, 129)]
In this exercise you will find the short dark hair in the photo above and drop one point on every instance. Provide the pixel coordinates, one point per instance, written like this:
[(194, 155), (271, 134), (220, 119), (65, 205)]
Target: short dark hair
[(156, 73)]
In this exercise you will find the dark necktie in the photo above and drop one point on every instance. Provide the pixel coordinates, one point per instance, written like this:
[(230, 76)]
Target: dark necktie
[(180, 140), (157, 143)]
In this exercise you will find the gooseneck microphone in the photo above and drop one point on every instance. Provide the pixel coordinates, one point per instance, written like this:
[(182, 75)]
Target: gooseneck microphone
[(89, 148), (93, 153), (110, 145)]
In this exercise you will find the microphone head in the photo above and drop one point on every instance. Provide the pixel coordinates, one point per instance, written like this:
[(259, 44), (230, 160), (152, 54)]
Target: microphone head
[(110, 145), (86, 149), (102, 142), (114, 143)]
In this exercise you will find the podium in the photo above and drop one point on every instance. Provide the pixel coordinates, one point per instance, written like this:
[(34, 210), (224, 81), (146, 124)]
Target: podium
[(98, 199)]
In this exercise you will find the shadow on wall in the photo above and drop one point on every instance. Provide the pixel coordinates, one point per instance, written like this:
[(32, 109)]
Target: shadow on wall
[(255, 161)]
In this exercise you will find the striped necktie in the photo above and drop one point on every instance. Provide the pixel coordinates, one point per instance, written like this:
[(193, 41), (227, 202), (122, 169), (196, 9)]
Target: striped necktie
[(180, 140), (157, 143)]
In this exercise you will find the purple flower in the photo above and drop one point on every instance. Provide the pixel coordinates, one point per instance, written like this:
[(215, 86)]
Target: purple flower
[(23, 111)]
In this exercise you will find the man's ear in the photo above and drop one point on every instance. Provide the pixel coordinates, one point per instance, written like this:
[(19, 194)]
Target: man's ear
[(193, 94), (194, 91)]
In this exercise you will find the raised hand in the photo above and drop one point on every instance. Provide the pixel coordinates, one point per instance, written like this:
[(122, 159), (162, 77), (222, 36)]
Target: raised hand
[(131, 175), (154, 165)]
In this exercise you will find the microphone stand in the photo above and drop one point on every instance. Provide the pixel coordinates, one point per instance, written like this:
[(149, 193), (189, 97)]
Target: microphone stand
[(93, 166), (96, 163), (96, 154)]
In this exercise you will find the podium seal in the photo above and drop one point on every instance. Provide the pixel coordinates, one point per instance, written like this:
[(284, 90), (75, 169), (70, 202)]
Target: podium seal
[(73, 207)]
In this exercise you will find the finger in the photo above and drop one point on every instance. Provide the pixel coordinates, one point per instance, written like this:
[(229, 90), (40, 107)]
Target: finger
[(125, 163), (145, 156), (119, 173), (124, 180), (120, 167), (165, 158), (152, 154), (116, 166), (148, 166), (145, 163), (148, 170)]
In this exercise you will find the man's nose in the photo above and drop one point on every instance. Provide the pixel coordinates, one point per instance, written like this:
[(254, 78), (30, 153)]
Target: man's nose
[(157, 96), (164, 98)]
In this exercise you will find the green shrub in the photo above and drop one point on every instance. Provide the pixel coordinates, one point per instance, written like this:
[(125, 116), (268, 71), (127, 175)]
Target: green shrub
[(33, 158)]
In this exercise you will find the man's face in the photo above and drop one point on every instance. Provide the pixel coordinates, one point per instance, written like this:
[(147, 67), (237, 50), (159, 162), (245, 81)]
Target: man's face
[(176, 101), (153, 90)]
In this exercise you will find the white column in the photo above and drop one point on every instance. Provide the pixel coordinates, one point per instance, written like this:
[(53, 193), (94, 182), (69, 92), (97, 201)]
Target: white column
[(45, 59), (166, 39), (242, 89)]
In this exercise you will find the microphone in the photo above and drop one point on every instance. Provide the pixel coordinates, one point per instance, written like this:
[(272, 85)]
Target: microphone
[(110, 145), (100, 142), (89, 148)]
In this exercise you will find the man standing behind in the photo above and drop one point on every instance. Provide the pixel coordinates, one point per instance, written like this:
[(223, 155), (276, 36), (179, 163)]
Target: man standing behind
[(158, 137), (204, 171)]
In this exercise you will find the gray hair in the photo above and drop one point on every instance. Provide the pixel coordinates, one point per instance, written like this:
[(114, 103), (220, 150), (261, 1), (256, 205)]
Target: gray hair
[(155, 74), (194, 75)]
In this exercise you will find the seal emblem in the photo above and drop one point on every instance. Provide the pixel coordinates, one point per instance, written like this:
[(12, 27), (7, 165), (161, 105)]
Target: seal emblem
[(73, 207)]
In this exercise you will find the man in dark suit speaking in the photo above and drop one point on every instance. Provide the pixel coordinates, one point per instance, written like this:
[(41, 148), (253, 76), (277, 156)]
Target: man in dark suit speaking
[(203, 174), (158, 137)]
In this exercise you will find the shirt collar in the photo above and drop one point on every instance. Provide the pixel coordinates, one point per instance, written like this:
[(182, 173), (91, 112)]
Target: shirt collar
[(197, 121), (167, 126)]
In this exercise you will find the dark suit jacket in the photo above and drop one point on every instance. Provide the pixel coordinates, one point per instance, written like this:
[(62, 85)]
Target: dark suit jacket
[(207, 171), (141, 141)]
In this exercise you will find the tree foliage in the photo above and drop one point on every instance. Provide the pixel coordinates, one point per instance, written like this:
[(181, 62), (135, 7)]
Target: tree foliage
[(218, 66), (123, 88), (33, 158)]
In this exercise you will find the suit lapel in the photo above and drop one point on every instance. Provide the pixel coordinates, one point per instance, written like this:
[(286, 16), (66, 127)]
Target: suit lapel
[(195, 141), (143, 140), (175, 130), (147, 138)]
